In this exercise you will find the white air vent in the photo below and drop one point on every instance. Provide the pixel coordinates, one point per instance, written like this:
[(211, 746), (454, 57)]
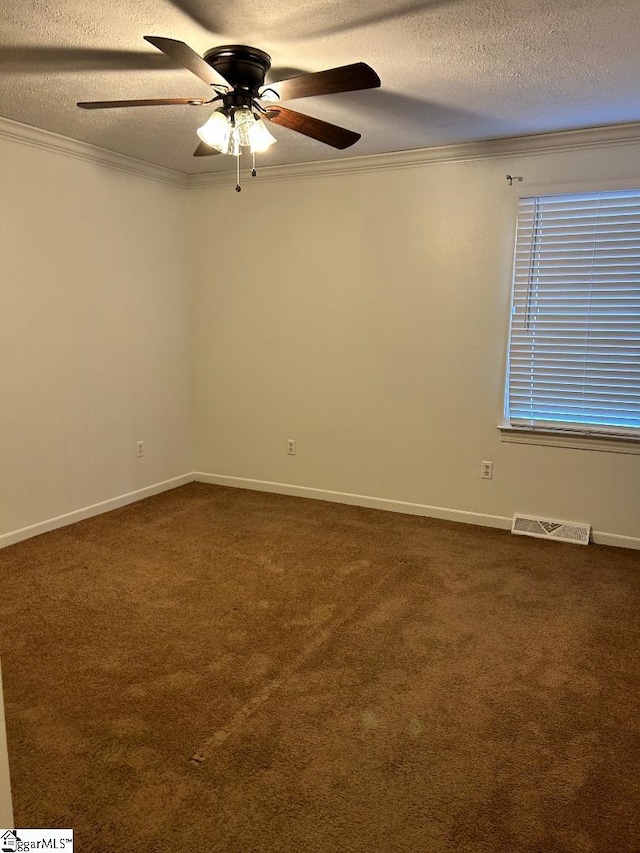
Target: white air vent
[(548, 528)]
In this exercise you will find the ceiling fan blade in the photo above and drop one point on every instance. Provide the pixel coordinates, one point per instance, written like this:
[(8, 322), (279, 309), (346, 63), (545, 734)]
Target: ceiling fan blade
[(149, 102), (204, 150), (187, 57), (330, 134), (347, 78)]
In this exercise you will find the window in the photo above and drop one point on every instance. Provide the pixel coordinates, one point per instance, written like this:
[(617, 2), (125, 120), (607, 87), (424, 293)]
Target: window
[(574, 344)]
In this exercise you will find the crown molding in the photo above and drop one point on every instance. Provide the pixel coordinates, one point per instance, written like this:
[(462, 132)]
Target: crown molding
[(521, 146), (35, 137)]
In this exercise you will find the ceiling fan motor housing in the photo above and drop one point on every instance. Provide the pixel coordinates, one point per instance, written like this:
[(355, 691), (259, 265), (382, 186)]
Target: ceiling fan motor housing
[(243, 66)]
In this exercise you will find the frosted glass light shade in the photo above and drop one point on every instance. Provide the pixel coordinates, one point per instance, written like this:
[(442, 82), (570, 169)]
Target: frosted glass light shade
[(216, 132), (259, 137), (230, 135)]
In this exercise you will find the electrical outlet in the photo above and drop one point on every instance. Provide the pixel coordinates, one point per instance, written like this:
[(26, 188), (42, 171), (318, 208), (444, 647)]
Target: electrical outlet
[(486, 470), (291, 446), (139, 449)]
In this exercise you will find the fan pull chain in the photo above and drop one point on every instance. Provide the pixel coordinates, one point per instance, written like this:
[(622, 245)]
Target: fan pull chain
[(253, 164), (238, 187)]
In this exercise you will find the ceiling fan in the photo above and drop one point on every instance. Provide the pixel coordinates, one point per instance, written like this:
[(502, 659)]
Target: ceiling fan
[(236, 74)]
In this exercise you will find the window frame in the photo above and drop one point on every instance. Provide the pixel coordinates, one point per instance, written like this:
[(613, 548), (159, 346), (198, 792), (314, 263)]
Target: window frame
[(583, 437)]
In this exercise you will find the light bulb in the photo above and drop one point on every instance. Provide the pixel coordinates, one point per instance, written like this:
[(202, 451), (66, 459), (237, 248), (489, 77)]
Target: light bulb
[(243, 120), (234, 145), (259, 137), (216, 131)]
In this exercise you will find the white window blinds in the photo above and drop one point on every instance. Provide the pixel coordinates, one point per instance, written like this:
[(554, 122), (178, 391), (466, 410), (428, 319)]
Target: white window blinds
[(574, 349)]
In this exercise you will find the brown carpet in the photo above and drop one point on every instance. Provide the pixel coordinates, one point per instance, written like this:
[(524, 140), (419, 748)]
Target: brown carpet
[(221, 670)]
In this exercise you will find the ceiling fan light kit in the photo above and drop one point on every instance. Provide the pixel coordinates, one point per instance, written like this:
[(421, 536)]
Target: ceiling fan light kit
[(236, 74), (228, 133)]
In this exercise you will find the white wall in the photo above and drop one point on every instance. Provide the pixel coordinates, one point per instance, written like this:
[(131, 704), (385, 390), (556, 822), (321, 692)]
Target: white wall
[(365, 315), (94, 334)]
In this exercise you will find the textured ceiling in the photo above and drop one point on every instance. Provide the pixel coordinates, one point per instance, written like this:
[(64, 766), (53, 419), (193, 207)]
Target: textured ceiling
[(451, 70)]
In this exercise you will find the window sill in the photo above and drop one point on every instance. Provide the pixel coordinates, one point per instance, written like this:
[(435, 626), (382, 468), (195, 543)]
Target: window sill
[(574, 440)]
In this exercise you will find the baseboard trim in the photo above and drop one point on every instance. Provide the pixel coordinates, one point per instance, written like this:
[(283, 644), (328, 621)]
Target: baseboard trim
[(615, 540), (88, 511), (386, 504), (445, 513)]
